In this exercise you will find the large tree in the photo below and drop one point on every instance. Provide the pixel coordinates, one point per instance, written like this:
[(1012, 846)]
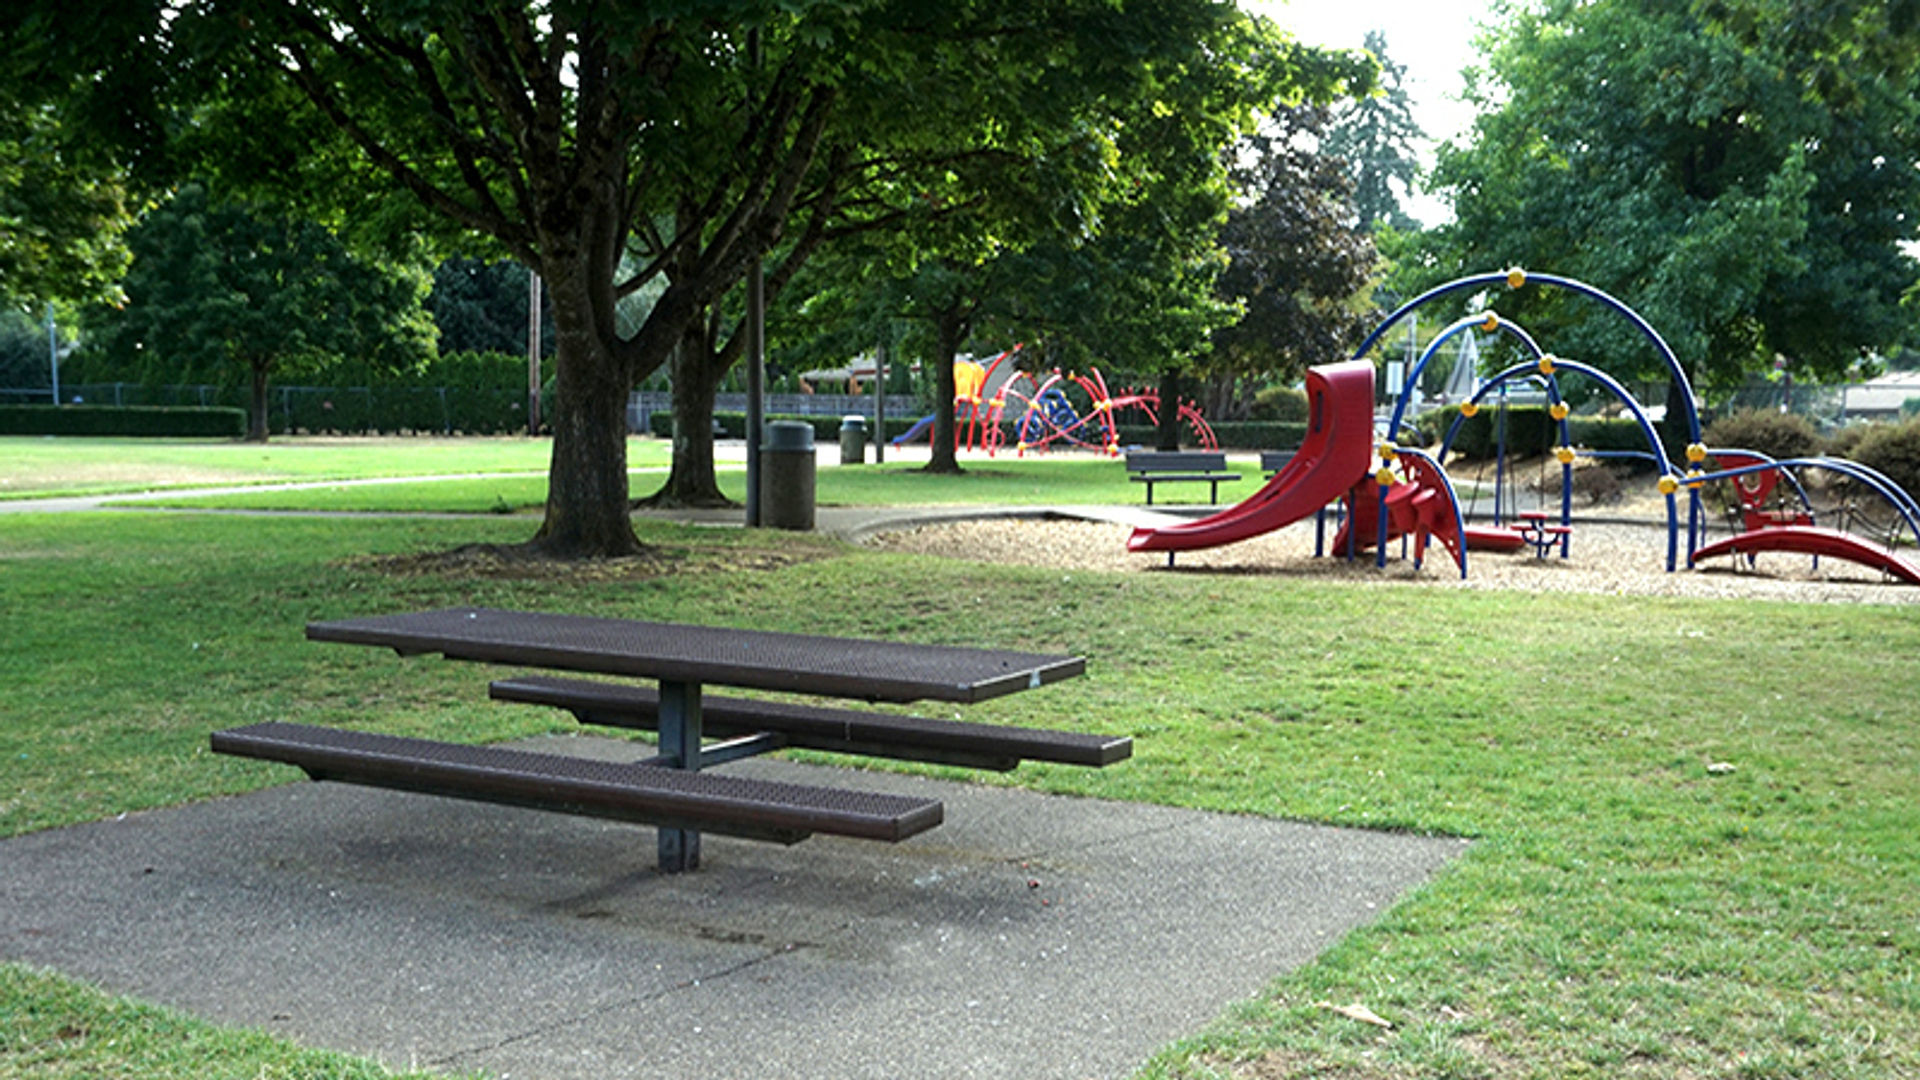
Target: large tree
[(217, 285), (576, 133), (1375, 136), (1300, 264), (1746, 194), (62, 212), (480, 306), (1120, 174)]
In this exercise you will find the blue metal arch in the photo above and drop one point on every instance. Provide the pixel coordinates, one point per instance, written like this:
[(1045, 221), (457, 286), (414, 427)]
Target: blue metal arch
[(1405, 395), (1674, 370), (1613, 387)]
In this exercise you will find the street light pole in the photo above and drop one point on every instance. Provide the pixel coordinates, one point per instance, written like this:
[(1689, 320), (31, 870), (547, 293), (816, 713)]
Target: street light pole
[(53, 353)]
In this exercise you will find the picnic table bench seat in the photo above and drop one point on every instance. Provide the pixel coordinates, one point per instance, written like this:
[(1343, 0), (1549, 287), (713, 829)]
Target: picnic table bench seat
[(1152, 467), (910, 738), (635, 792)]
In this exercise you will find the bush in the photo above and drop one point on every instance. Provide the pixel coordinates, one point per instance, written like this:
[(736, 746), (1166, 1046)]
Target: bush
[(1893, 449), (1845, 441), (1775, 434), (133, 420), (1233, 435), (1530, 431), (1282, 403)]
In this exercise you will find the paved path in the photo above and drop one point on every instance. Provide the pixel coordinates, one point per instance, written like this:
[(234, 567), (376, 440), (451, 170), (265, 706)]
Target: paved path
[(1029, 937)]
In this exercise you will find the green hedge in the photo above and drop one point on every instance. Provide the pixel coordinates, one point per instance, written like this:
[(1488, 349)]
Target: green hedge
[(128, 420), (1246, 435)]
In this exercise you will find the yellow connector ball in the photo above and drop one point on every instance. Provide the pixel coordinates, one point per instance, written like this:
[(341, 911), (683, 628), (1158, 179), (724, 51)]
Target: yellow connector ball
[(1491, 322), (1516, 277), (1564, 453), (1693, 477), (1387, 452), (1468, 408), (1384, 477), (1559, 410), (1022, 447), (1546, 364), (1696, 452), (1669, 484)]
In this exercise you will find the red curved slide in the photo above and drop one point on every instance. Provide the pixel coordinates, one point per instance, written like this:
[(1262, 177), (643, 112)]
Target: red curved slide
[(1335, 453), (1813, 540)]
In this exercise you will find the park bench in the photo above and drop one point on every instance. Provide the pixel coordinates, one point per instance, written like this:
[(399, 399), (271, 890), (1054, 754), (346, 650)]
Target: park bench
[(809, 727), (1272, 461), (1152, 467)]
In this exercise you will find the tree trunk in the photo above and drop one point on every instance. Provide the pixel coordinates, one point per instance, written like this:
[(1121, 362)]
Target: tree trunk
[(1168, 435), (949, 328), (696, 375), (257, 427), (587, 512)]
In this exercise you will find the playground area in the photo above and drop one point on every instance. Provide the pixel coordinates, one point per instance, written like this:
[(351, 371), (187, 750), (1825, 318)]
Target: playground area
[(1617, 559), (1357, 475)]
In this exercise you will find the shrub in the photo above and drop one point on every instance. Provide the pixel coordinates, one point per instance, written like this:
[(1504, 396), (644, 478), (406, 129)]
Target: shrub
[(1282, 403), (1845, 441), (1775, 434), (1893, 449), (131, 420), (1530, 431)]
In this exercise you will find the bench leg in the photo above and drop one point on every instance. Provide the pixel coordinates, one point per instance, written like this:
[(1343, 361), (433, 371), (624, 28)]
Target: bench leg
[(679, 749)]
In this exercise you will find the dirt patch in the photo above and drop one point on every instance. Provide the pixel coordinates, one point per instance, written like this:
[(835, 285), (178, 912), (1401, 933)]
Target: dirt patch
[(1603, 559), (522, 563)]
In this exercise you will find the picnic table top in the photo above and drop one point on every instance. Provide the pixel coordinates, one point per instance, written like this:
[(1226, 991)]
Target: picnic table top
[(756, 659)]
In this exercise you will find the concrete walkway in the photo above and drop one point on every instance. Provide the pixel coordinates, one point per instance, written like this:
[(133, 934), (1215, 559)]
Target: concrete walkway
[(1029, 937)]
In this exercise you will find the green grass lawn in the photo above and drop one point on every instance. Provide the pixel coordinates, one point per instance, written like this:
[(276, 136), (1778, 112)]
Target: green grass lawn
[(33, 467), (1624, 911), (1009, 481)]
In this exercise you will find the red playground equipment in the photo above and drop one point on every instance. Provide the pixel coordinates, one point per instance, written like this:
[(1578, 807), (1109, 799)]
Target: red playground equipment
[(1045, 414), (1331, 458), (1332, 463), (1755, 479)]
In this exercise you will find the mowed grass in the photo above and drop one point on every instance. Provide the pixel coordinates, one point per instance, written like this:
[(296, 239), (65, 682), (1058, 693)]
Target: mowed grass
[(1077, 478), (1628, 907), (33, 467)]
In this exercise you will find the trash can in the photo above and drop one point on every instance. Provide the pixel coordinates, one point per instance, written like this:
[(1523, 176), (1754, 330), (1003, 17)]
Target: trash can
[(786, 475), (853, 440)]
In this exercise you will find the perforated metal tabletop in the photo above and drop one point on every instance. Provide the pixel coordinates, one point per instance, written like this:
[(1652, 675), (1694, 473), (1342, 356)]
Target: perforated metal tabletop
[(756, 659)]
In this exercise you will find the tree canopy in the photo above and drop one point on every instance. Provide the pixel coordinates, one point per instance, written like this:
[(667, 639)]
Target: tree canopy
[(586, 137), (1375, 135), (1299, 268), (216, 285), (1729, 187)]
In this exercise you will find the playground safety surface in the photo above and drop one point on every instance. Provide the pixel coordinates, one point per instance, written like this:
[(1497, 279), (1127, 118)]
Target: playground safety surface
[(1030, 936)]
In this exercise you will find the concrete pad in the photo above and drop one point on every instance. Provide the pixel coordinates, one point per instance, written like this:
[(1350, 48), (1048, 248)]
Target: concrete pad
[(1030, 936)]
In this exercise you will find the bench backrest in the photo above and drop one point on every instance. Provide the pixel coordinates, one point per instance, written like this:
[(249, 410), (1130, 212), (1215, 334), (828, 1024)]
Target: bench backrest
[(1175, 460), (1275, 460)]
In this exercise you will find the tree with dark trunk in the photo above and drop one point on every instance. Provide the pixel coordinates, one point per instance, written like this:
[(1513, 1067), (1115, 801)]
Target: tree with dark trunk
[(216, 284), (584, 136)]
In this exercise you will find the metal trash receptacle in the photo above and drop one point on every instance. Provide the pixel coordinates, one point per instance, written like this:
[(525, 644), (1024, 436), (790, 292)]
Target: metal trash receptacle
[(786, 475), (853, 440)]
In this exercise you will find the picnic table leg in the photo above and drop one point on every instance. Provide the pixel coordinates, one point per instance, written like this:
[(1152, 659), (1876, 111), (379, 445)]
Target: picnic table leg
[(680, 747)]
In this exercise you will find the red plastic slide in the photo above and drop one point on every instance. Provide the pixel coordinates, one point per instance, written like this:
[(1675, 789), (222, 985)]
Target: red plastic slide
[(1813, 540), (1334, 454)]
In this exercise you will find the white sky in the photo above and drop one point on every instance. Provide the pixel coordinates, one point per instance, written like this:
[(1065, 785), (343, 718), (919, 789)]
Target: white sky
[(1433, 39)]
